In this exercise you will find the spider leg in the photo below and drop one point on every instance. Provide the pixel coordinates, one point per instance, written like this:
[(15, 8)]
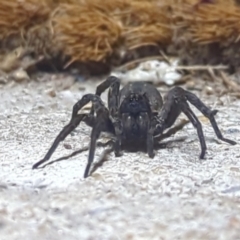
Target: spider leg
[(106, 84), (172, 131), (94, 136), (113, 83), (99, 144), (99, 126), (150, 143), (175, 103), (113, 104), (74, 122), (196, 123), (194, 100), (103, 87)]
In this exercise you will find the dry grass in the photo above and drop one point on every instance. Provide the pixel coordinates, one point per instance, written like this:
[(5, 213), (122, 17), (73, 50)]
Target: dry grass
[(73, 32), (94, 30), (17, 17), (208, 23)]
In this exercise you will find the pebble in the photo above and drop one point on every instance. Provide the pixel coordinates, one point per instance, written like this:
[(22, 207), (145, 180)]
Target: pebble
[(20, 75)]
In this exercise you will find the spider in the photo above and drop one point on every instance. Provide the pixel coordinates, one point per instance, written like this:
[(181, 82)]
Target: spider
[(135, 115)]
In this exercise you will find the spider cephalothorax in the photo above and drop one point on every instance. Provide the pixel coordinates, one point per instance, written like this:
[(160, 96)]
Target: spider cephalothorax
[(135, 114)]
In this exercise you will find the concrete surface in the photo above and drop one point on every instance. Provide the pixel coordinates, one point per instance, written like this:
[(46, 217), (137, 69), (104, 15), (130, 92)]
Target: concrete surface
[(173, 196)]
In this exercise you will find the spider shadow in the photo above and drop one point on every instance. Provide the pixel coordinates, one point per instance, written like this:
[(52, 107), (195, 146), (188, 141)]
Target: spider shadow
[(86, 148), (104, 156), (127, 147)]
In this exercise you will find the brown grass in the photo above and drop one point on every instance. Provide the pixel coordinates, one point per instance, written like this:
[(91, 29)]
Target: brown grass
[(209, 23), (85, 30), (17, 17), (73, 33)]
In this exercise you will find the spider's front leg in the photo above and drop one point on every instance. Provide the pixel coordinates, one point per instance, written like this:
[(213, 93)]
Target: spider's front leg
[(175, 102), (113, 83), (113, 106), (102, 117), (75, 121)]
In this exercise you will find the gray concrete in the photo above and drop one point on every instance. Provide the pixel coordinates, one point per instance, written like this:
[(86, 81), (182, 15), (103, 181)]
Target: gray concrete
[(173, 196)]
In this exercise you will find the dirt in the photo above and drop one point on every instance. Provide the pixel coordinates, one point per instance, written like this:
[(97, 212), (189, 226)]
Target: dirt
[(173, 196)]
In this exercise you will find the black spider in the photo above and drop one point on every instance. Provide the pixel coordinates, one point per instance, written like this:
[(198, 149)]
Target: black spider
[(136, 114)]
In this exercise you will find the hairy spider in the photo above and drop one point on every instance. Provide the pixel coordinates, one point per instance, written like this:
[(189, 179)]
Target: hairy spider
[(136, 114)]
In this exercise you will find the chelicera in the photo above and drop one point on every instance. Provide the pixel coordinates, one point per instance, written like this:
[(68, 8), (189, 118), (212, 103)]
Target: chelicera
[(135, 115)]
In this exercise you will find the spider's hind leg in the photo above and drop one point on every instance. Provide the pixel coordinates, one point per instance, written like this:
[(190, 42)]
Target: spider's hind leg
[(194, 100)]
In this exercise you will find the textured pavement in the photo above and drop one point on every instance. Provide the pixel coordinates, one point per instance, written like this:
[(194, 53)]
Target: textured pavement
[(173, 196)]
